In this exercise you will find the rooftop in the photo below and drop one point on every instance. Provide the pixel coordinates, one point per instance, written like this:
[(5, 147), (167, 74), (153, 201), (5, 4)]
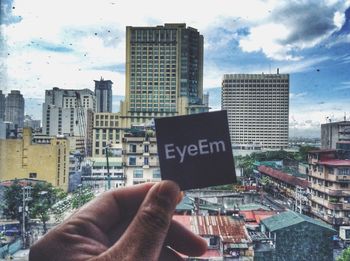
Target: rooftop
[(336, 163), (289, 179), (290, 218), (255, 216)]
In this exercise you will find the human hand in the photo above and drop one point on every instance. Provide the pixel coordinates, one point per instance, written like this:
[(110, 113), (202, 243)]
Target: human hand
[(133, 223)]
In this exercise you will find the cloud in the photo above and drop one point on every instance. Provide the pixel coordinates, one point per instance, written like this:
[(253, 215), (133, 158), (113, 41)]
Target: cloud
[(293, 26), (297, 95)]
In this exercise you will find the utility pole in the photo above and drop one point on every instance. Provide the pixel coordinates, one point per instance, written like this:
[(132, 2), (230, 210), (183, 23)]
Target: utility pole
[(25, 197)]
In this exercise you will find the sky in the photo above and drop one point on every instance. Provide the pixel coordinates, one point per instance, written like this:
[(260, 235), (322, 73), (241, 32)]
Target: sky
[(68, 44)]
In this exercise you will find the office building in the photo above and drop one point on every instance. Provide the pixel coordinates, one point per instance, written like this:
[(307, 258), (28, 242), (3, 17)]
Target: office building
[(107, 130), (336, 135), (257, 109), (30, 123), (69, 112), (35, 159), (14, 108), (103, 93), (164, 72), (2, 106), (329, 186)]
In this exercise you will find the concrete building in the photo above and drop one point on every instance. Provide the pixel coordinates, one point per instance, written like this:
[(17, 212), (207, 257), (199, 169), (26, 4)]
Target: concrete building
[(103, 93), (257, 109), (140, 159), (298, 237), (335, 135), (70, 113), (25, 158), (30, 123), (107, 129), (14, 108), (329, 186), (2, 106), (164, 72)]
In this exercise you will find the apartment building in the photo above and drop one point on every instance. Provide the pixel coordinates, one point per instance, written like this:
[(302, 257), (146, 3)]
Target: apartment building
[(140, 159), (336, 135), (103, 93), (329, 186), (14, 108), (257, 109)]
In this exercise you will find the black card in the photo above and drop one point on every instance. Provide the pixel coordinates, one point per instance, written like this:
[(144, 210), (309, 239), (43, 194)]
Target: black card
[(195, 150)]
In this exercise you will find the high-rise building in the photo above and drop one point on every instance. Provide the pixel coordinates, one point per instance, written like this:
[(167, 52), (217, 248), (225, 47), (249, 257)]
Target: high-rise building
[(164, 72), (69, 112), (2, 106), (336, 135), (257, 109), (14, 108), (103, 92)]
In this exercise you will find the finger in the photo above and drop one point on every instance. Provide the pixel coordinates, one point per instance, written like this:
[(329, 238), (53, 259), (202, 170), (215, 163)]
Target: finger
[(168, 254), (110, 207), (184, 241), (144, 238)]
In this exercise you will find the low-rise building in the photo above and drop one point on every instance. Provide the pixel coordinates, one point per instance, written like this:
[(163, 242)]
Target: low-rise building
[(25, 158), (329, 186), (141, 163), (298, 237)]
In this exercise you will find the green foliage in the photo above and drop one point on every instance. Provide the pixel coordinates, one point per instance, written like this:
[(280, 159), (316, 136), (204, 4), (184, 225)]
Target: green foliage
[(303, 152), (81, 196), (345, 255), (13, 201)]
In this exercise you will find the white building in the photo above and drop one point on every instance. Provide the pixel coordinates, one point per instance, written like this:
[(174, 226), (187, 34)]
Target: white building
[(69, 112), (257, 109)]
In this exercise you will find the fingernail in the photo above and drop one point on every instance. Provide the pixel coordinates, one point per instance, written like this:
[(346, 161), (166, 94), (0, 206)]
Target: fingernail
[(169, 190)]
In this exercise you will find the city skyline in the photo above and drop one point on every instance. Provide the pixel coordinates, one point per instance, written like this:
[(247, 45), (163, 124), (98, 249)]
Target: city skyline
[(305, 39)]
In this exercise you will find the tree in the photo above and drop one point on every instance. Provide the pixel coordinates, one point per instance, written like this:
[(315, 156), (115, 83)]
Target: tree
[(345, 255), (81, 196), (13, 201), (44, 196)]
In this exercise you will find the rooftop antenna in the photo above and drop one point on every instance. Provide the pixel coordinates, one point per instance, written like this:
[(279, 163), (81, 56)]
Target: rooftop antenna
[(344, 115)]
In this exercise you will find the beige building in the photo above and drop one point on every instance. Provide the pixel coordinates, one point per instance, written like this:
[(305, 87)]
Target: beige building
[(140, 159), (329, 186), (107, 129), (257, 109), (25, 158)]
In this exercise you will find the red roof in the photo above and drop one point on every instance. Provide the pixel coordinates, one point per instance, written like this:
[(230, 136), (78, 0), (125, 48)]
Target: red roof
[(335, 163), (255, 216), (284, 177)]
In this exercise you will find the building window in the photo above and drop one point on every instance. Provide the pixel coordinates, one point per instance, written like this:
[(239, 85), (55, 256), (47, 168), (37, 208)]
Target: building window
[(132, 147), (146, 148), (156, 174), (132, 161), (32, 175), (138, 173), (145, 161), (344, 171)]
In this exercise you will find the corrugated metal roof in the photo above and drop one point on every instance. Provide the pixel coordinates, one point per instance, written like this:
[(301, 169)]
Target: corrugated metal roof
[(289, 179), (339, 163), (290, 218)]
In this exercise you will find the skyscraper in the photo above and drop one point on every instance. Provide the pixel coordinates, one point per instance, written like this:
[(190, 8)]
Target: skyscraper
[(257, 109), (164, 71), (14, 108), (2, 106), (103, 93)]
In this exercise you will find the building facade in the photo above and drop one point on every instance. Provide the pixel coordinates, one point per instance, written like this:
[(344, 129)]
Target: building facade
[(107, 130), (140, 159), (335, 135), (329, 186), (43, 160), (257, 109), (30, 123), (2, 106), (103, 93), (14, 108), (164, 72), (70, 113)]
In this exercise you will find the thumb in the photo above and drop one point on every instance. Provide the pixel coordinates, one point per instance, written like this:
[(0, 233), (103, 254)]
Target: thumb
[(144, 238)]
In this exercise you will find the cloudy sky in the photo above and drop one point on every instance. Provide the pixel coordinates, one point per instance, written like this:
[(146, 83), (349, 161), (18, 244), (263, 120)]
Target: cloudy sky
[(70, 43)]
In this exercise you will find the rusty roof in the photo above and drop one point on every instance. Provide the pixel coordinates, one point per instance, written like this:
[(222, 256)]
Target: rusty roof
[(229, 230), (282, 176), (335, 163)]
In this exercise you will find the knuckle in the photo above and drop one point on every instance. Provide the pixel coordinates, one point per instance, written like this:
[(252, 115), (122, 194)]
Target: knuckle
[(154, 218)]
